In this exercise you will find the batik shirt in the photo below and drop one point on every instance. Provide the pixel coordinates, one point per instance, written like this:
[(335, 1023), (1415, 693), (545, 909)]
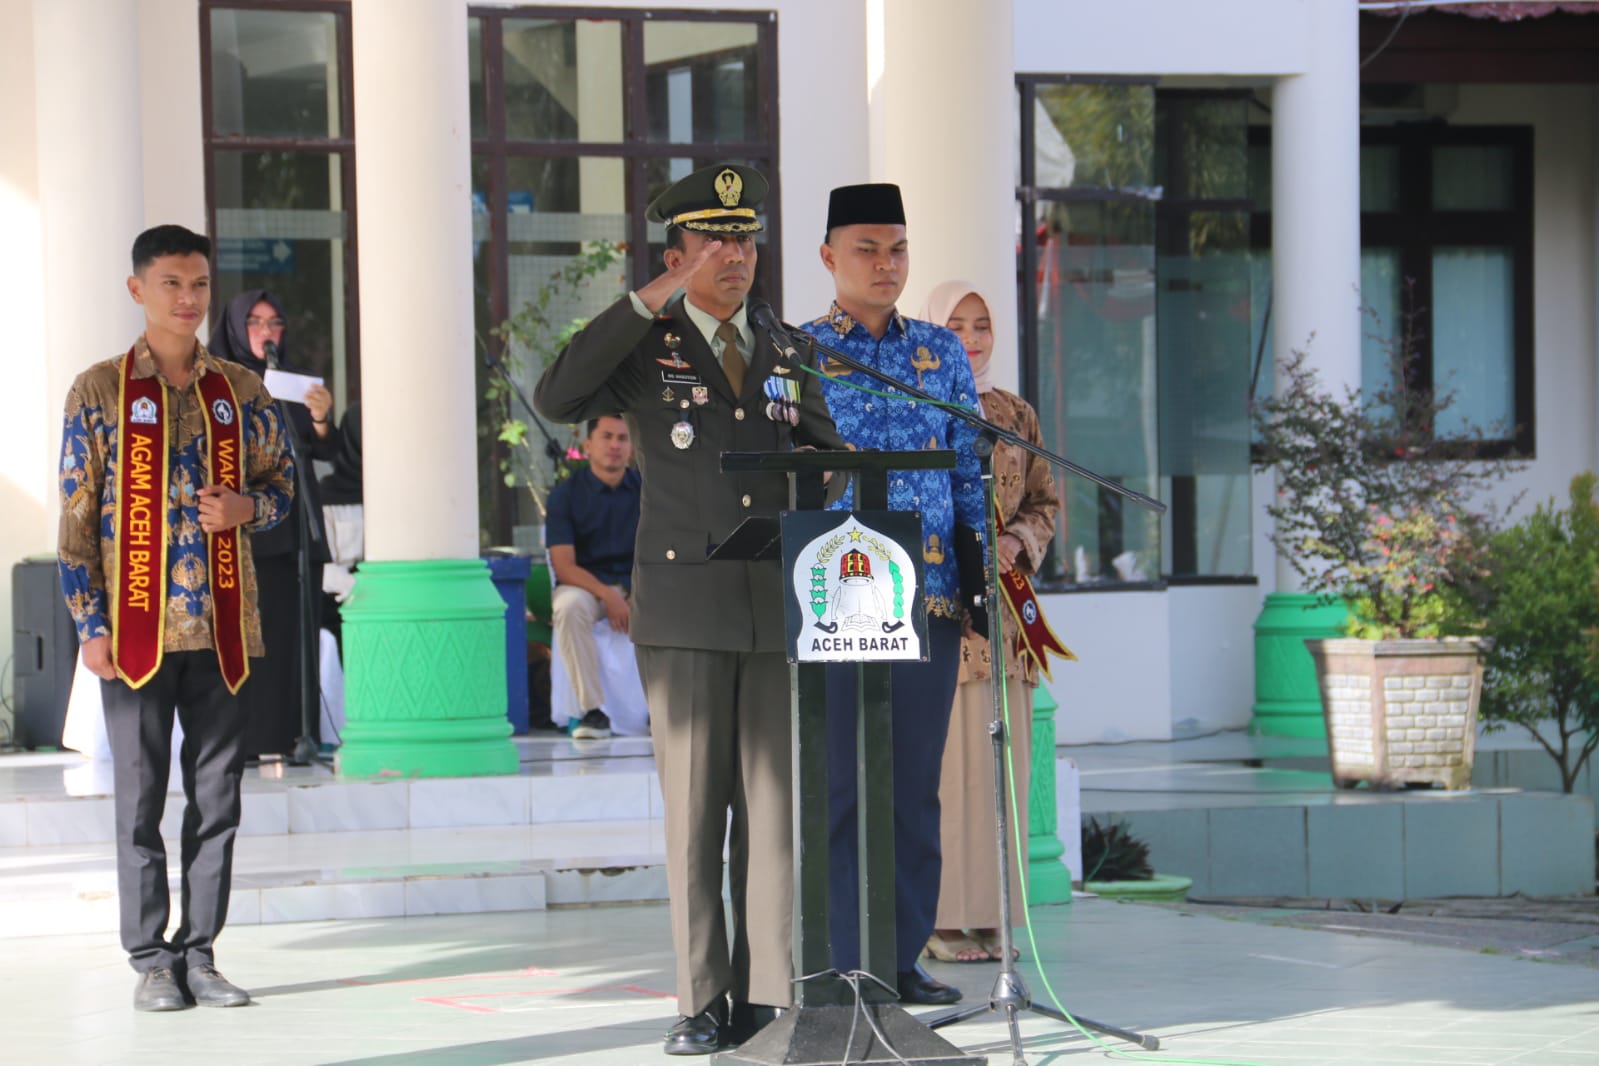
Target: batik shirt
[(89, 457), (932, 359)]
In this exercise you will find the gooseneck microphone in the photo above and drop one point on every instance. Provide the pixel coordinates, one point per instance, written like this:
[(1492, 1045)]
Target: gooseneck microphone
[(270, 350), (760, 313)]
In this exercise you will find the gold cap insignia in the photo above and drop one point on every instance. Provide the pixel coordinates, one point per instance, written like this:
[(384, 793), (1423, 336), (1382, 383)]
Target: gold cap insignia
[(729, 188)]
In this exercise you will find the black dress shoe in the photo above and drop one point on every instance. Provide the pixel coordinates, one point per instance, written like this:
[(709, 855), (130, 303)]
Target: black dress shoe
[(158, 989), (747, 1019), (210, 989), (700, 1034), (916, 985)]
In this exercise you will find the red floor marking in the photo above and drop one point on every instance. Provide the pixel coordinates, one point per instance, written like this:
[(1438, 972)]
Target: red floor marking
[(531, 971), (461, 1002)]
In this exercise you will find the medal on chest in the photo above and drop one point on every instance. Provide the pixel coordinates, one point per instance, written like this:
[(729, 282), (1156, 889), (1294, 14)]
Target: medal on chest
[(682, 435), (783, 396)]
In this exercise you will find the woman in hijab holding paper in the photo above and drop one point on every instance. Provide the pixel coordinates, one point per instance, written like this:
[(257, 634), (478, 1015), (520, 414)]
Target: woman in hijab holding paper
[(251, 331), (967, 925)]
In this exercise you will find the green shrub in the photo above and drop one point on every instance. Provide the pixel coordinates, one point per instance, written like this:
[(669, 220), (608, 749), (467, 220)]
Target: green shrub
[(1540, 605), (1112, 853)]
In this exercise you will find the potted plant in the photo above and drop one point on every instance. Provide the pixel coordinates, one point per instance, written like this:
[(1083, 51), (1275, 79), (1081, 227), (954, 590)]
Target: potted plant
[(1538, 597), (1116, 866), (517, 449), (1376, 509)]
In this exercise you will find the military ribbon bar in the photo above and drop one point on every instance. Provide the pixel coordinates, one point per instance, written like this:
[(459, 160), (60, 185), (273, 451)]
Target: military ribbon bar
[(138, 593), (1034, 637), (225, 464)]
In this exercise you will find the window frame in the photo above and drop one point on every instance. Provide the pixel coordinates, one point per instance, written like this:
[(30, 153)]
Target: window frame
[(342, 146), (1416, 230)]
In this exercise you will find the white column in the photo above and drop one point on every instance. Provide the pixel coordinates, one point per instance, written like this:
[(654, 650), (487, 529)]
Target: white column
[(943, 127), (413, 189), (91, 186), (1315, 199)]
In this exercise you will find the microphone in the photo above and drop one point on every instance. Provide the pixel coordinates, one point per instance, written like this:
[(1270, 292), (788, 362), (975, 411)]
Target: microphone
[(760, 313), (270, 350)]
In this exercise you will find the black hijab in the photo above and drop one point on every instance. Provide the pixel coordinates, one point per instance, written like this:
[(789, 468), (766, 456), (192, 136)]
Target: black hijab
[(230, 339)]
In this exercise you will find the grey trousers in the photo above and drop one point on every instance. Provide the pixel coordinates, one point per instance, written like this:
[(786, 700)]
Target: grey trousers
[(139, 727)]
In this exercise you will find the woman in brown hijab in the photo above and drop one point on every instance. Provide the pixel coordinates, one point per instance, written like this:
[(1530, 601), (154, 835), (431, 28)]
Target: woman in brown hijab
[(967, 926)]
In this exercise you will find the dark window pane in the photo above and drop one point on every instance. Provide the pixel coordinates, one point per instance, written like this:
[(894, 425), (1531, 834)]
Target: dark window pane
[(475, 92), (1471, 177), (1379, 177), (1097, 387), (702, 82), (281, 225), (1094, 135), (1201, 150), (563, 80), (274, 73)]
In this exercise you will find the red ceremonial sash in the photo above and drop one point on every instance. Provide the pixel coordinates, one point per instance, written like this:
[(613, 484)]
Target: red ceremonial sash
[(1033, 637), (225, 466), (139, 600)]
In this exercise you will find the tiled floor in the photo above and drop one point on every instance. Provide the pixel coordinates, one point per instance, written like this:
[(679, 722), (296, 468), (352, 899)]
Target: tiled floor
[(592, 986)]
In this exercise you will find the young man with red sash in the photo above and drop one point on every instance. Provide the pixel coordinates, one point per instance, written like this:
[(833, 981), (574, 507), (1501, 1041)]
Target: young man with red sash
[(169, 458)]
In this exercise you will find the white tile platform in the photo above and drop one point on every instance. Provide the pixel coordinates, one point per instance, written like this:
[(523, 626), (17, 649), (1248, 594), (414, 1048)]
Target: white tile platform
[(580, 825)]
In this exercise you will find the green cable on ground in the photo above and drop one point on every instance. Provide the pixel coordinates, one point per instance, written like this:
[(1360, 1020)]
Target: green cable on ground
[(997, 677)]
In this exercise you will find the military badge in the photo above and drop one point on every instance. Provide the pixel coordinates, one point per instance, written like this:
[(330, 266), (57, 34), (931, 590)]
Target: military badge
[(701, 394), (784, 397), (682, 436), (672, 341), (667, 395), (729, 188)]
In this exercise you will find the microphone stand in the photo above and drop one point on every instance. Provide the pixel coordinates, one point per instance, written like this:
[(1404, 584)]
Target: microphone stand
[(1009, 995), (306, 750)]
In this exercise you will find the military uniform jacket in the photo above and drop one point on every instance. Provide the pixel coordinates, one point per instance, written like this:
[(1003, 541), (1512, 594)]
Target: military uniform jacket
[(653, 372)]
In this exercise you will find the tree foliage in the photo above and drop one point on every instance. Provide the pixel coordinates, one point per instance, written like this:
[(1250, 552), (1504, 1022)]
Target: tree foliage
[(1540, 601)]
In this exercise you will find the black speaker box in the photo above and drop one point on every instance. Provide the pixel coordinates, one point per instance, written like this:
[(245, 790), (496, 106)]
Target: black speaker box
[(44, 652)]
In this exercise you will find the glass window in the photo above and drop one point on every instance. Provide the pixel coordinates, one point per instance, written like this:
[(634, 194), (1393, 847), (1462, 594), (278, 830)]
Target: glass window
[(1472, 177), (280, 174), (1094, 135), (1474, 349), (280, 225), (274, 73), (1097, 384), (1382, 332), (562, 79), (567, 155), (1379, 177), (474, 65), (702, 82)]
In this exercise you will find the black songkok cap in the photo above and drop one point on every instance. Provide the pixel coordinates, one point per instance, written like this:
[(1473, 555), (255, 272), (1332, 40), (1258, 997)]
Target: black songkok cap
[(877, 204)]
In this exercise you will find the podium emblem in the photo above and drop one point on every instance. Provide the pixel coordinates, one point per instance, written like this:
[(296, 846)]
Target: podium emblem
[(857, 587)]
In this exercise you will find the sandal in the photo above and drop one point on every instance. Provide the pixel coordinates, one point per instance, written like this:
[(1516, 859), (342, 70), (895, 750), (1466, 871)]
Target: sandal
[(960, 949), (991, 943)]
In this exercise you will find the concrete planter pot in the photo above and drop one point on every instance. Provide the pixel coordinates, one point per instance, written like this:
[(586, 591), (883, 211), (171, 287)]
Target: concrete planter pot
[(1400, 712)]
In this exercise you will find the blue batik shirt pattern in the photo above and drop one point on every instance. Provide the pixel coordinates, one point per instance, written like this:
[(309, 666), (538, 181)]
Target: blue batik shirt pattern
[(934, 360)]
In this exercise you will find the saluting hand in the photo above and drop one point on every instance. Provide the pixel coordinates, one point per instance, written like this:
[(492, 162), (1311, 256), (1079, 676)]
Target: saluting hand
[(222, 508), (661, 288)]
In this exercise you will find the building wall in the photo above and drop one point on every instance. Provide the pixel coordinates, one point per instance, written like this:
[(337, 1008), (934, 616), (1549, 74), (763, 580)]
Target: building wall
[(1566, 349), (1242, 38)]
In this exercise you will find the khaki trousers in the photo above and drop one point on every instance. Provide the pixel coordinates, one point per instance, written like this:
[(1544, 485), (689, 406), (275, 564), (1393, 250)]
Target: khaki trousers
[(720, 725), (574, 612), (968, 894)]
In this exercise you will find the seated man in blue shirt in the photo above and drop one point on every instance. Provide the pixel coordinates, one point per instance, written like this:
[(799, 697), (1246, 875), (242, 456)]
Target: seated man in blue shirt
[(589, 529)]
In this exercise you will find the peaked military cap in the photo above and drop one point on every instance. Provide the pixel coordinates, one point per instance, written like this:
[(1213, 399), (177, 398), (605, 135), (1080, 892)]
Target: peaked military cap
[(875, 204), (716, 199)]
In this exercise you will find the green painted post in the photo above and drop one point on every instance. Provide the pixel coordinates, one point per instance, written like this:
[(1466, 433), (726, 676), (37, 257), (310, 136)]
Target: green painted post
[(1287, 699), (1048, 879), (424, 650)]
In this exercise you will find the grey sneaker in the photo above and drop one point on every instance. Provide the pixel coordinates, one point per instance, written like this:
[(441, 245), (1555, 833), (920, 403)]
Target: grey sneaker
[(594, 725), (210, 989), (158, 989)]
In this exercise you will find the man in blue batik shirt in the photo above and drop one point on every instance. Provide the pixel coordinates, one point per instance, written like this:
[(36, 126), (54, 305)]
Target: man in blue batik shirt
[(867, 255)]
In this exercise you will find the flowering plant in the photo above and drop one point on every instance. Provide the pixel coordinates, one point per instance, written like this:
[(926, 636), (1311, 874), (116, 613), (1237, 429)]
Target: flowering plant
[(1372, 507)]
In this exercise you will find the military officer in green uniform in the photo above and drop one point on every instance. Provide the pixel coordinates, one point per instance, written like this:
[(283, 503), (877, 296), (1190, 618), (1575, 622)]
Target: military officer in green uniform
[(694, 377)]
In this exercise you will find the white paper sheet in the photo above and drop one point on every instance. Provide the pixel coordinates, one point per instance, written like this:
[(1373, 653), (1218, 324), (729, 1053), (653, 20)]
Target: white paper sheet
[(286, 386)]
